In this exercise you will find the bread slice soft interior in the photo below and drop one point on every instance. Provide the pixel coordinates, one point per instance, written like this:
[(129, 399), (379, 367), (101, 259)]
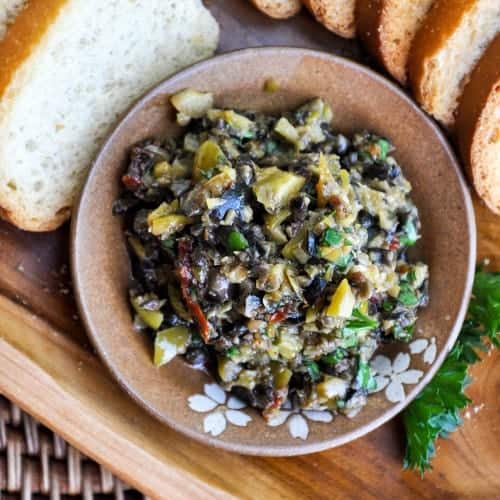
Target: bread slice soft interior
[(278, 9), (478, 126), (445, 49), (387, 28), (69, 69), (336, 15)]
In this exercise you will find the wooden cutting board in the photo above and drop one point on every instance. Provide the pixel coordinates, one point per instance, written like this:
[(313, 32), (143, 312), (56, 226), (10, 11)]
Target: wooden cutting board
[(49, 369)]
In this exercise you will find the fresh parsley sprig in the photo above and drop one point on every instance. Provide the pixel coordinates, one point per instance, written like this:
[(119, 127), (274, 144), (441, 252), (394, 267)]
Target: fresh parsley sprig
[(435, 412)]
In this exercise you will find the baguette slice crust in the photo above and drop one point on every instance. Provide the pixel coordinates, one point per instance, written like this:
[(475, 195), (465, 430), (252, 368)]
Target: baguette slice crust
[(387, 28), (445, 49), (335, 15), (478, 126), (278, 9), (70, 68), (9, 9)]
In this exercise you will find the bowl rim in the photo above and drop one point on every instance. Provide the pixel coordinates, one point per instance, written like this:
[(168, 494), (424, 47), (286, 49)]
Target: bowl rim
[(301, 448)]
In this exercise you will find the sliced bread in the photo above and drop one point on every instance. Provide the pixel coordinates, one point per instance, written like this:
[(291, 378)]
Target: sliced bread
[(69, 69), (445, 49), (278, 9), (478, 126), (336, 15), (387, 28)]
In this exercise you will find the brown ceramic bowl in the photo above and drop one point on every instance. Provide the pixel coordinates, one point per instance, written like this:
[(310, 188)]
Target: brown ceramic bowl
[(361, 99)]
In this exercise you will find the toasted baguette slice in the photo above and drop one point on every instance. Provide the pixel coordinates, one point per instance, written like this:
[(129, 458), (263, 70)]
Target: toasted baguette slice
[(278, 9), (69, 68), (387, 28), (478, 126), (445, 49), (336, 15)]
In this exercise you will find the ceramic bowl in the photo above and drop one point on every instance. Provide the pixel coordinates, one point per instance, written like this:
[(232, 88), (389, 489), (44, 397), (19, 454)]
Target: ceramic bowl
[(361, 99)]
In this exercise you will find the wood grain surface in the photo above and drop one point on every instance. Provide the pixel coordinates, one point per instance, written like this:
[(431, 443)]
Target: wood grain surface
[(48, 368)]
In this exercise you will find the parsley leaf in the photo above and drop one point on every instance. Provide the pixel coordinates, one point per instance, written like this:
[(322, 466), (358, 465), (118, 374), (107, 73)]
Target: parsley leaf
[(435, 412), (359, 323), (331, 237), (410, 236), (313, 369), (406, 295)]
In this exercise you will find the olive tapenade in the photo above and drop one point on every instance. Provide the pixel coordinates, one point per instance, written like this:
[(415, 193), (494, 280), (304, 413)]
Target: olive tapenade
[(272, 251)]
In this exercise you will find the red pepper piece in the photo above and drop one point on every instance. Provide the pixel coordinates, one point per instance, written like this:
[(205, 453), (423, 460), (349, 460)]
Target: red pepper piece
[(186, 277), (131, 182), (394, 244), (279, 315)]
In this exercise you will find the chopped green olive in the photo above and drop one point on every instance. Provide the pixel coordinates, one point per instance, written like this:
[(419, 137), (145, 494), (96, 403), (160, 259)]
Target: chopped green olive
[(169, 343), (153, 319), (236, 241)]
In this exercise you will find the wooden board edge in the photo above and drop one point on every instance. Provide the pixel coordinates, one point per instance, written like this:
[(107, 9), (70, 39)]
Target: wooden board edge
[(45, 397)]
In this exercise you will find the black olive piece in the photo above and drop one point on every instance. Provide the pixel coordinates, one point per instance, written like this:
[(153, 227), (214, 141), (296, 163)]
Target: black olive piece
[(197, 357), (299, 206), (125, 203), (353, 157), (264, 395), (311, 244), (366, 220), (179, 186), (244, 394), (314, 290), (343, 144), (140, 224), (218, 286), (377, 170)]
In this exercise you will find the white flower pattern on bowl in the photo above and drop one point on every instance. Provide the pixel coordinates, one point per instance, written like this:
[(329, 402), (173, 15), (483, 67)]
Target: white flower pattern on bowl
[(221, 411), (297, 420), (428, 348), (392, 375)]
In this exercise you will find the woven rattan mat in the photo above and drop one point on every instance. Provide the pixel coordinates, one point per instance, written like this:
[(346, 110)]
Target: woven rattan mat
[(36, 463)]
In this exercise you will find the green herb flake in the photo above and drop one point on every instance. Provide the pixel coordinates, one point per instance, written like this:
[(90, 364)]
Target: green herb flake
[(270, 147), (365, 378), (313, 369), (359, 323), (384, 148), (168, 244), (343, 263), (412, 276), (388, 305), (232, 351), (334, 357), (410, 236), (236, 241), (331, 237), (407, 295)]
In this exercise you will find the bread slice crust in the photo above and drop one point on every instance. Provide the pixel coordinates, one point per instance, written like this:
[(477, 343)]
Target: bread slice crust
[(387, 28), (278, 9), (335, 15), (478, 126)]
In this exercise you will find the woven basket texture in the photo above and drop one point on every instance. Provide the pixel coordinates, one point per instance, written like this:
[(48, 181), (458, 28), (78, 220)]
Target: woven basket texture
[(36, 463)]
